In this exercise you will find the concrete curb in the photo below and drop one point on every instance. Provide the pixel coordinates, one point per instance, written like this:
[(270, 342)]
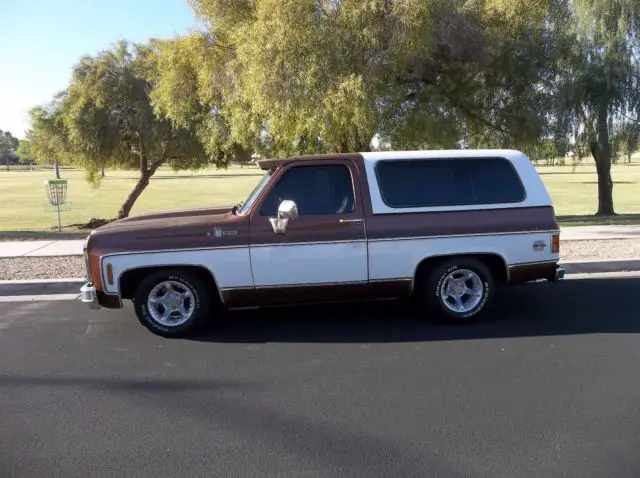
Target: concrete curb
[(40, 287), (601, 267), (72, 286), (41, 281)]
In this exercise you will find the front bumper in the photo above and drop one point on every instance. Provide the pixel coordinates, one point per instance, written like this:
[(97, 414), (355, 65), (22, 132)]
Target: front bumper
[(88, 295)]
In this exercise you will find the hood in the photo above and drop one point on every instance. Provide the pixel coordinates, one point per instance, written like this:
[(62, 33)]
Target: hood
[(163, 219), (179, 213), (179, 229)]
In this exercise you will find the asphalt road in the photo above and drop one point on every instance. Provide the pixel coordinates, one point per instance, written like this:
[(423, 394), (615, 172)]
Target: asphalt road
[(548, 385)]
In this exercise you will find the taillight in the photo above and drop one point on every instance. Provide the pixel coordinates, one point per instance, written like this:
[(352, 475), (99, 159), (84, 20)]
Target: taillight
[(555, 244)]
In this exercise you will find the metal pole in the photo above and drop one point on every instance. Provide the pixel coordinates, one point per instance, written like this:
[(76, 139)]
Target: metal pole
[(59, 223)]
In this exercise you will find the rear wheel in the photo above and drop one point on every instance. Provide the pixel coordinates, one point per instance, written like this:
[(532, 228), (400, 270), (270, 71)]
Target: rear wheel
[(459, 289), (172, 303)]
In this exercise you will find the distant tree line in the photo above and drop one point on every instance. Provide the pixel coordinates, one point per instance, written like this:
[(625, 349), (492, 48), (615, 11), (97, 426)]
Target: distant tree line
[(285, 77)]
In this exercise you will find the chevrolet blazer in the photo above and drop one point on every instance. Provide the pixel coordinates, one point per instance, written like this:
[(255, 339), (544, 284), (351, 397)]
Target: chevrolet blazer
[(443, 227)]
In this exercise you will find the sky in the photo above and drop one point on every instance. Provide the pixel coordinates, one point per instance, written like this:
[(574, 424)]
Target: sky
[(43, 40)]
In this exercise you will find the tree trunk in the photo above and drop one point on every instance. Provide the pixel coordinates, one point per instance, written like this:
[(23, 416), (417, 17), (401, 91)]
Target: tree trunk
[(601, 152), (102, 170), (143, 182), (344, 145), (56, 168)]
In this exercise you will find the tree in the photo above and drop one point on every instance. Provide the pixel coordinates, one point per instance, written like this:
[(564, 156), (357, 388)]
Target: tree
[(48, 140), (24, 151), (192, 83), (629, 134), (600, 80), (319, 75), (8, 146), (108, 119)]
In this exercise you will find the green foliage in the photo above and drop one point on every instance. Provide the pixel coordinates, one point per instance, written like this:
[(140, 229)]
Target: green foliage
[(598, 82), (545, 150), (106, 118), (8, 146), (110, 119), (287, 77), (303, 76), (191, 80), (24, 151)]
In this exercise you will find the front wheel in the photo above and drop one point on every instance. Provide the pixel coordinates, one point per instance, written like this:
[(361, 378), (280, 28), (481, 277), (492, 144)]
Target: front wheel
[(172, 303), (459, 289)]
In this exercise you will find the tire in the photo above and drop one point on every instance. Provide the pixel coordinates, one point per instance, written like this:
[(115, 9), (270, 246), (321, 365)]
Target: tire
[(434, 290), (187, 292)]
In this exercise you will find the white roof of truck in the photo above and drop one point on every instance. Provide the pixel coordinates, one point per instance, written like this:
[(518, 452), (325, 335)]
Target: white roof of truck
[(536, 193), (510, 154)]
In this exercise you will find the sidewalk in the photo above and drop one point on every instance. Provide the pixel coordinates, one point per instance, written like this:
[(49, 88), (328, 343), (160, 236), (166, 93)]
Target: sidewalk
[(599, 233), (74, 247), (41, 248)]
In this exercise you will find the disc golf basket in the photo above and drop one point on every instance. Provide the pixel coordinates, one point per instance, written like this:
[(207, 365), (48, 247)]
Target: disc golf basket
[(56, 190)]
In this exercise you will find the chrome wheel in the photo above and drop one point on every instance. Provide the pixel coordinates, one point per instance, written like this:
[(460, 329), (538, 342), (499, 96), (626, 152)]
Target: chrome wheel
[(171, 303), (461, 291)]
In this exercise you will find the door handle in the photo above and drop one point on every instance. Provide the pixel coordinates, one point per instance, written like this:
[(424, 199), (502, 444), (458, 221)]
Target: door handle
[(352, 220)]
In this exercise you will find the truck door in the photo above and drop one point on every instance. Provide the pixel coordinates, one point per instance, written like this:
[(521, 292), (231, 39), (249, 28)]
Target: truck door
[(326, 243)]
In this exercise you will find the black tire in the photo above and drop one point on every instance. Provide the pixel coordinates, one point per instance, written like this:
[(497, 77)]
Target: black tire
[(199, 289), (434, 303)]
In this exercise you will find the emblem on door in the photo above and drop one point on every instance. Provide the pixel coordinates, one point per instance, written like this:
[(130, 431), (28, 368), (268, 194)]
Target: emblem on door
[(219, 232)]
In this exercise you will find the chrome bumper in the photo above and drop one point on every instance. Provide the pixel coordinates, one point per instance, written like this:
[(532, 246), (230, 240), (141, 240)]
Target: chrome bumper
[(88, 296)]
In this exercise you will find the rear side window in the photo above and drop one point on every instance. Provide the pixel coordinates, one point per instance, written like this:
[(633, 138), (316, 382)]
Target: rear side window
[(448, 182)]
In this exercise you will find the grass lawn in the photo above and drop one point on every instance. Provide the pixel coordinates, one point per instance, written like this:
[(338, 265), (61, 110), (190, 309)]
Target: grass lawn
[(575, 194), (22, 194)]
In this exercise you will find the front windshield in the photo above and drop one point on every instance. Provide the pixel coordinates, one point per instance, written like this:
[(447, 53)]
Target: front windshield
[(244, 207)]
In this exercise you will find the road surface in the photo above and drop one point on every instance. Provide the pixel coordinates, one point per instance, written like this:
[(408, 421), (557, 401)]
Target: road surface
[(547, 385)]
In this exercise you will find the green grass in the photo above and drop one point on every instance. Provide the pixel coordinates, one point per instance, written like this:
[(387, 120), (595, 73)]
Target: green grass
[(22, 195), (575, 194)]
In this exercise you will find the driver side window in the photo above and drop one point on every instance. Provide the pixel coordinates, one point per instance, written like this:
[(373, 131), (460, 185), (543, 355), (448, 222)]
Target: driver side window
[(317, 189)]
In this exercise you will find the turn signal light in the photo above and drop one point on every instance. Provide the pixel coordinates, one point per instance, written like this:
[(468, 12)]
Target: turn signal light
[(555, 243)]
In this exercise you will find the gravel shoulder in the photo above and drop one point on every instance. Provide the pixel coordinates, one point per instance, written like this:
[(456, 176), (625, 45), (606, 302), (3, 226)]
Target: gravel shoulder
[(65, 267), (601, 249), (25, 268)]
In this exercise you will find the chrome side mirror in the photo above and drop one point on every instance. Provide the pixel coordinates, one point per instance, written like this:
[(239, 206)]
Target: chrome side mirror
[(287, 211)]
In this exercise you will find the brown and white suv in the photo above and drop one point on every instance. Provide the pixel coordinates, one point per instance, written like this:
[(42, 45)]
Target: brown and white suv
[(447, 227)]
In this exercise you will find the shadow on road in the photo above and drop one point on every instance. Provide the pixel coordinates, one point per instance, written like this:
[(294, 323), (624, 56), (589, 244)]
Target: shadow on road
[(120, 384), (572, 307)]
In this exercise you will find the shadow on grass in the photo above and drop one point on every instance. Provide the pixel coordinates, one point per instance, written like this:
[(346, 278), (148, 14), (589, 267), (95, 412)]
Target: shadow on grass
[(572, 173), (615, 182), (593, 220), (571, 307)]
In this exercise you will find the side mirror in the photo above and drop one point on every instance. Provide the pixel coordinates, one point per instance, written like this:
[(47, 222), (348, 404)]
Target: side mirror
[(287, 211)]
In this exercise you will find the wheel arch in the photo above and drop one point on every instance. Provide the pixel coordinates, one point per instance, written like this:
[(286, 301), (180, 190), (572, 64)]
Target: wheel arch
[(495, 262), (129, 279)]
